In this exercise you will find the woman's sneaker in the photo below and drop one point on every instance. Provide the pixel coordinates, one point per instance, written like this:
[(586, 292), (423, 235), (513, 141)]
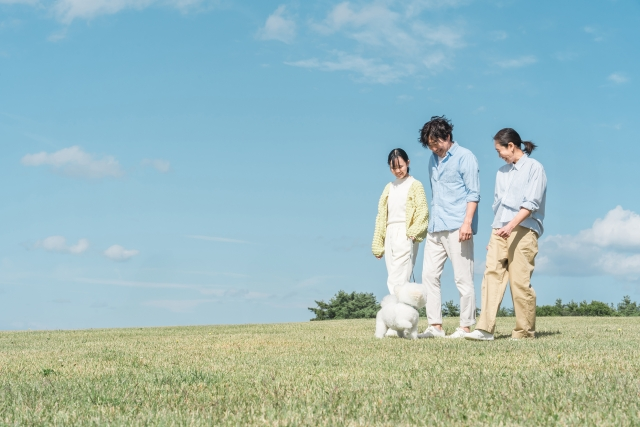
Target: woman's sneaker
[(432, 332), (479, 335), (459, 333)]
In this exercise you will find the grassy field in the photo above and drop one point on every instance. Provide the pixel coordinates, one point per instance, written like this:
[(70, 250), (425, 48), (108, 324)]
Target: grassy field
[(580, 371)]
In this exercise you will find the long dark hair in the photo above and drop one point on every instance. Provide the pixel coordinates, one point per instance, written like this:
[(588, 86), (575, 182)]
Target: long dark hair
[(393, 157), (507, 135)]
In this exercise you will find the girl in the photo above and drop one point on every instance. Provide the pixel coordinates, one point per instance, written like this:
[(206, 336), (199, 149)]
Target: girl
[(518, 207), (402, 221)]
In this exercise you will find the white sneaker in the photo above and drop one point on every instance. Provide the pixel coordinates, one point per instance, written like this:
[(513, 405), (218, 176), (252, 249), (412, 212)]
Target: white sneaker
[(459, 333), (479, 335), (432, 332)]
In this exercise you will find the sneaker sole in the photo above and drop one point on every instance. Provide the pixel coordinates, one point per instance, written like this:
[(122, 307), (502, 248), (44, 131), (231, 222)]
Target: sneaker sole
[(478, 339)]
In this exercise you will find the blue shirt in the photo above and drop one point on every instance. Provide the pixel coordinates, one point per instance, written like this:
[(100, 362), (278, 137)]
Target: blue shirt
[(455, 181), (520, 185)]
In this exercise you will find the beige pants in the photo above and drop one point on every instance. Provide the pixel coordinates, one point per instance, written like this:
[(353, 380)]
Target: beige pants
[(400, 255), (511, 260), (440, 246)]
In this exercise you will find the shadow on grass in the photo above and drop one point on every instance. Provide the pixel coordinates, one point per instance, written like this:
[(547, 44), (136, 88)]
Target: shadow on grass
[(539, 334)]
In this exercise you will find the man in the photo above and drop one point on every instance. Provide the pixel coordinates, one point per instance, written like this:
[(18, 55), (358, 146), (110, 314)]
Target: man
[(455, 188)]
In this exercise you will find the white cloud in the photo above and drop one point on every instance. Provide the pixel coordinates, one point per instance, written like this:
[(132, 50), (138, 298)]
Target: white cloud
[(610, 247), (59, 244), (75, 162), (68, 10), (391, 41), (217, 239), (370, 70), (278, 27), (118, 253), (18, 1), (58, 35), (498, 35), (618, 78), (597, 34), (517, 62), (162, 166)]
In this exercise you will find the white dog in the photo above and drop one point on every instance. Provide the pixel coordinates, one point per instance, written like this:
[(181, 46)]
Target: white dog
[(399, 312)]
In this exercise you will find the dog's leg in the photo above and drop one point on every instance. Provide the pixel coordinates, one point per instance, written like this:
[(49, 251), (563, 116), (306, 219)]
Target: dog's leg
[(381, 328), (406, 326), (413, 333)]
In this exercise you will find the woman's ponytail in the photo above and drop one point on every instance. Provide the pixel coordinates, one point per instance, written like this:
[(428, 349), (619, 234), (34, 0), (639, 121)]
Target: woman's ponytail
[(507, 135), (528, 147)]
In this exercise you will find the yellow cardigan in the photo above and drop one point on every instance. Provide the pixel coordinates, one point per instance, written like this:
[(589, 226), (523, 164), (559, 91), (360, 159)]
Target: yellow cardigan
[(417, 217)]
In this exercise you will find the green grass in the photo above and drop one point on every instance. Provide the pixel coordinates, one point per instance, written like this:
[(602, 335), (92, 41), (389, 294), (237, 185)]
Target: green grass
[(580, 371)]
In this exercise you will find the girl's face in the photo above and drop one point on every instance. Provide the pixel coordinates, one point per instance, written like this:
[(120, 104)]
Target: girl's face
[(399, 167), (506, 153)]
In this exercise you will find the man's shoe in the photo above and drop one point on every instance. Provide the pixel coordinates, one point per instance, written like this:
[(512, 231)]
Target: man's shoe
[(432, 332), (479, 335), (459, 333)]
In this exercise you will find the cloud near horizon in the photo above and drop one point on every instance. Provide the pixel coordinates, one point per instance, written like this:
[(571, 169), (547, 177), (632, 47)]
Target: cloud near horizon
[(75, 162), (610, 247), (59, 244), (119, 253), (162, 166)]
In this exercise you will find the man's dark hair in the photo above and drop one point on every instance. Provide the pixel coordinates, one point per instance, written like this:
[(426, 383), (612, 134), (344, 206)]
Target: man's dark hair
[(439, 127)]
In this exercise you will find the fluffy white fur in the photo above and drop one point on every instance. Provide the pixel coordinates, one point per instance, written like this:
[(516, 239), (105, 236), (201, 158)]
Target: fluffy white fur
[(399, 312)]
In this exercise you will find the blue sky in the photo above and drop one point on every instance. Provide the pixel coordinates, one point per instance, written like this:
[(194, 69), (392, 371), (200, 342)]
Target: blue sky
[(195, 162)]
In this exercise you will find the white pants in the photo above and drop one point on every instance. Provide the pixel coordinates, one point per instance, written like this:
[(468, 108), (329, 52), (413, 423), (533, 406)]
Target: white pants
[(400, 255), (440, 246)]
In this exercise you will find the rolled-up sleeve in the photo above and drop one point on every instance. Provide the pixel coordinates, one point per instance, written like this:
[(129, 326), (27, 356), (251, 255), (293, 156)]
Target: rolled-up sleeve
[(535, 190), (471, 177)]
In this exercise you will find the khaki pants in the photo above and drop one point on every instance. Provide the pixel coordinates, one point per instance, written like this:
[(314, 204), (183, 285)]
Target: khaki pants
[(511, 260)]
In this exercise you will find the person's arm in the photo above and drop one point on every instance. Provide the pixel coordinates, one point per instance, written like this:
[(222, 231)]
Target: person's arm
[(536, 187), (465, 230), (505, 231), (471, 178), (377, 246)]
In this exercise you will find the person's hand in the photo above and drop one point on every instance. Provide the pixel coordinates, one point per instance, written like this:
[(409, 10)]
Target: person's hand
[(413, 238), (504, 232), (379, 257), (465, 232)]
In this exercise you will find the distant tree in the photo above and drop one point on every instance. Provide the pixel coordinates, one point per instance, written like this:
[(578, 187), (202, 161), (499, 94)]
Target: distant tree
[(550, 310), (505, 312), (593, 308), (450, 309), (356, 305), (628, 308)]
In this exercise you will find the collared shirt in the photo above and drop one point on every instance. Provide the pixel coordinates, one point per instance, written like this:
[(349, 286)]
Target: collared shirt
[(455, 181), (520, 185)]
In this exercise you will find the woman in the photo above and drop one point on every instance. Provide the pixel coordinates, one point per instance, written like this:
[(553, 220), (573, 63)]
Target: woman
[(518, 207), (401, 222)]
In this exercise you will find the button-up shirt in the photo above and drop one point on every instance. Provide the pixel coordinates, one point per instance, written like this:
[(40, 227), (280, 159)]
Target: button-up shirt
[(455, 181), (520, 185)]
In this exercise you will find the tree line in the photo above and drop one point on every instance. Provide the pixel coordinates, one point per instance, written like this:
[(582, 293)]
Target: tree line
[(362, 305)]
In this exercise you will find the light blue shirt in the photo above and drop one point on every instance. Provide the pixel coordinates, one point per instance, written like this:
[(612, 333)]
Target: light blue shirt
[(455, 181), (520, 185)]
